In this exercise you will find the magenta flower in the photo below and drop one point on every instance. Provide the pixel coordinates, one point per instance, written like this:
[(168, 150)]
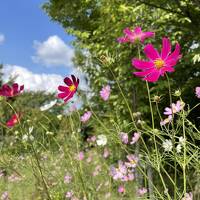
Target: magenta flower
[(135, 35), (86, 116), (141, 191), (132, 161), (8, 91), (158, 64), (197, 91), (135, 138), (105, 92), (121, 189), (124, 137), (13, 120), (67, 92)]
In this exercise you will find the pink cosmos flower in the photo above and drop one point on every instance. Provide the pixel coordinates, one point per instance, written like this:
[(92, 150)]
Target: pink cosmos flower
[(106, 153), (69, 194), (119, 172), (124, 137), (197, 91), (141, 191), (13, 120), (80, 155), (86, 116), (67, 179), (175, 108), (105, 92), (135, 138), (166, 121), (5, 196), (8, 91), (136, 34), (67, 92), (121, 189), (188, 196), (133, 160), (158, 64)]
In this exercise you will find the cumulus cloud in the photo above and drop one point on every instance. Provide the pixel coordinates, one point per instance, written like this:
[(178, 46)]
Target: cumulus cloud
[(2, 38), (32, 81), (38, 82), (53, 52)]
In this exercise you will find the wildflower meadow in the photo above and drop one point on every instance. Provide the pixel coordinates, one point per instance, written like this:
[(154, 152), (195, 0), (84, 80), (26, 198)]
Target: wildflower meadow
[(133, 131)]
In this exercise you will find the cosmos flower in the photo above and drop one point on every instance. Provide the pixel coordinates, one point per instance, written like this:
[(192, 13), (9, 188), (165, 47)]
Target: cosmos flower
[(197, 92), (132, 161), (188, 196), (105, 92), (67, 92), (13, 120), (124, 137), (175, 108), (67, 178), (158, 64), (106, 153), (119, 172), (5, 196), (80, 156), (121, 189), (141, 191), (8, 91), (167, 145), (101, 140), (86, 116), (135, 138), (134, 35), (166, 121)]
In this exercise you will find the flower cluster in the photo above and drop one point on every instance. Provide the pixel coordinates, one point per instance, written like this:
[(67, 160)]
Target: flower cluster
[(125, 139)]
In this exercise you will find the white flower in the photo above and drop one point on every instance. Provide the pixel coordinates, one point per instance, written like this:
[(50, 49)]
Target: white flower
[(48, 106), (181, 140), (178, 148), (101, 140), (30, 130), (167, 145), (59, 117), (31, 137), (25, 138)]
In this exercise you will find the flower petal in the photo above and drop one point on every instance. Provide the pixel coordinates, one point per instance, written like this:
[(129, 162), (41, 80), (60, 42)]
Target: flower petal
[(166, 48), (153, 77), (144, 73), (138, 30), (62, 95), (68, 81), (175, 55), (140, 64), (63, 88), (151, 52)]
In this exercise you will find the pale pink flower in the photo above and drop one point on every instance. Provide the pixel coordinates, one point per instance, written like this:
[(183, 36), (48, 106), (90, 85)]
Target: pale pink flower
[(135, 138), (67, 178), (197, 92), (120, 172), (188, 196), (121, 189), (124, 137), (141, 191), (106, 153), (166, 121), (133, 160), (80, 156), (5, 196), (89, 159), (86, 116), (175, 108), (105, 92), (69, 194)]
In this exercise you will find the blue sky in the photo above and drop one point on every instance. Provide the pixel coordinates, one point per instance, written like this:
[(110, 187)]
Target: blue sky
[(33, 48), (22, 22)]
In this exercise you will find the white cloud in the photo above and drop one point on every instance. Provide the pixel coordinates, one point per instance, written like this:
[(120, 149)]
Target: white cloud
[(38, 82), (2, 38), (53, 52), (32, 81)]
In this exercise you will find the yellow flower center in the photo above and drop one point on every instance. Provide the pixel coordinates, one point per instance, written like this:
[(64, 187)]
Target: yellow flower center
[(72, 87), (133, 162), (159, 63)]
